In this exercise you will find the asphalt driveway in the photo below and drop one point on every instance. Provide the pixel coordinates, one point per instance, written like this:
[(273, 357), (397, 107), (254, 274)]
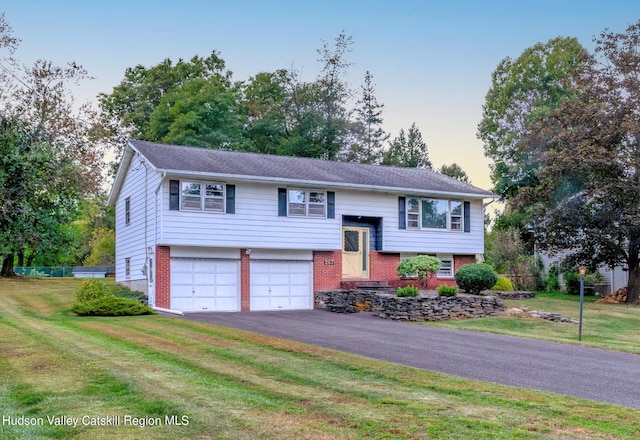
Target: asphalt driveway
[(589, 373)]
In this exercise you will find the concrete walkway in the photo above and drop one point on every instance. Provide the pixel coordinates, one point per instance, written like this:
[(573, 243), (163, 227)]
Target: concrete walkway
[(590, 373)]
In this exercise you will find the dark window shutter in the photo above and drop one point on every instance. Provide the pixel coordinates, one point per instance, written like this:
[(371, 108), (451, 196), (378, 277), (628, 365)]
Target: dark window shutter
[(402, 212), (331, 204), (231, 199), (282, 202), (467, 216), (174, 195)]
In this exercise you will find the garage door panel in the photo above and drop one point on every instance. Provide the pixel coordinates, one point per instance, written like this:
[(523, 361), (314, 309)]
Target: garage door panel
[(178, 303), (204, 279), (198, 285), (280, 285)]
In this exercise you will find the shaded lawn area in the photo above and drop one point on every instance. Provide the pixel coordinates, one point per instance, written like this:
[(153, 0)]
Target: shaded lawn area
[(225, 383)]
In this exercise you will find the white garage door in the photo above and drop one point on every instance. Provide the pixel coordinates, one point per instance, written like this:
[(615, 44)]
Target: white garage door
[(200, 284), (281, 285)]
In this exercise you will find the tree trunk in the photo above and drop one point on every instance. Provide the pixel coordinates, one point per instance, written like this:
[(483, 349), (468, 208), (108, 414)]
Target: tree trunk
[(633, 288), (7, 266), (21, 258)]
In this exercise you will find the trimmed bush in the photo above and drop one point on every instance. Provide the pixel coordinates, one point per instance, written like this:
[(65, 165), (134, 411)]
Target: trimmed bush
[(503, 285), (422, 266), (444, 290), (474, 278), (408, 291), (90, 289), (111, 305), (125, 292)]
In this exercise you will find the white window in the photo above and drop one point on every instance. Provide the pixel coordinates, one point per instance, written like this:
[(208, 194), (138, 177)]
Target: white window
[(428, 213), (306, 203), (127, 211), (446, 270), (127, 267), (202, 196), (413, 213)]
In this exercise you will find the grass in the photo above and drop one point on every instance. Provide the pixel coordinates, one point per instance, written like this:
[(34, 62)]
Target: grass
[(609, 326), (227, 384)]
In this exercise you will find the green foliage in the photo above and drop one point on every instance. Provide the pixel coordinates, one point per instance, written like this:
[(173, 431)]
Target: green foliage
[(111, 305), (503, 285), (125, 292), (523, 91), (553, 281), (408, 150), (572, 282), (474, 278), (444, 290), (454, 171), (90, 289), (367, 132), (408, 291), (422, 266)]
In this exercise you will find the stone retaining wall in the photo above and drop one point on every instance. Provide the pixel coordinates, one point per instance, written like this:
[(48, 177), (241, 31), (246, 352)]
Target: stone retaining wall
[(511, 295), (389, 306)]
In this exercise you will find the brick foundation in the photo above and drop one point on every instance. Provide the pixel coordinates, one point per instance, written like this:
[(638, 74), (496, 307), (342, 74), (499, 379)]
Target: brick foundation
[(327, 270), (245, 281), (163, 276)]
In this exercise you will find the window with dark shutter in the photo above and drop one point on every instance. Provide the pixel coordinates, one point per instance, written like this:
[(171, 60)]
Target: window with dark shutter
[(174, 195), (282, 202), (402, 213), (231, 199), (467, 216)]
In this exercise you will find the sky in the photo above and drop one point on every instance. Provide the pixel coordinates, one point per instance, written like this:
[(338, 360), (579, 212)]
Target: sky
[(431, 61)]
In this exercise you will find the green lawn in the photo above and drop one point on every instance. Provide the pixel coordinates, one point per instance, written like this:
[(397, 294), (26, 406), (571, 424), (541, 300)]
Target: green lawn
[(225, 383), (610, 326)]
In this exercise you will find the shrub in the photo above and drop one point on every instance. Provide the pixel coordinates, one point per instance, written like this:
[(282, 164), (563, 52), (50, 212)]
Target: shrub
[(111, 305), (422, 266), (474, 278), (444, 290), (572, 282), (90, 289), (408, 291), (503, 285), (553, 282), (125, 292)]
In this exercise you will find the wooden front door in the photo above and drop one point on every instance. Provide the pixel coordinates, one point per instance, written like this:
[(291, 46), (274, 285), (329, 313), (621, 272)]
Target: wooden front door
[(355, 252)]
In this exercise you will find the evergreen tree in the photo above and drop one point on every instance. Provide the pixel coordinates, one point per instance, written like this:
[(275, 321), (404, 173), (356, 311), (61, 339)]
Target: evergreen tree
[(408, 150), (367, 134)]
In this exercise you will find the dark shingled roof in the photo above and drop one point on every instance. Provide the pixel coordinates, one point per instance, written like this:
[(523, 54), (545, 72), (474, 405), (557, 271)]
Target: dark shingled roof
[(174, 158)]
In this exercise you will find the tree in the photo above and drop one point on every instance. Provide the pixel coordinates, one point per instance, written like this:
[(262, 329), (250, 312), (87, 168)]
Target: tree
[(50, 154), (199, 112), (333, 92), (264, 101), (588, 199), (367, 134), (523, 92), (130, 106), (455, 171), (408, 150)]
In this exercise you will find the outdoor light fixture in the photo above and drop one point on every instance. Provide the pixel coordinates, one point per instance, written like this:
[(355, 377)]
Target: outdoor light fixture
[(582, 271)]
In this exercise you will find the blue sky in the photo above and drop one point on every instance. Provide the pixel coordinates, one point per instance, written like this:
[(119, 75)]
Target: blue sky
[(431, 61)]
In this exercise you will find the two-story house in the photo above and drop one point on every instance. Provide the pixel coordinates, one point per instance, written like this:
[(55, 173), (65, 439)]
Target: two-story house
[(200, 229)]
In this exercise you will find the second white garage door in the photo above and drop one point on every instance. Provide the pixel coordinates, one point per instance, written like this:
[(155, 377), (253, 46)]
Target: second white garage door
[(281, 285), (204, 285)]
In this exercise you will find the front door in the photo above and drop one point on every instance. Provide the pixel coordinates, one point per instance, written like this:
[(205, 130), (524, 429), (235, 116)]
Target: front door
[(355, 252)]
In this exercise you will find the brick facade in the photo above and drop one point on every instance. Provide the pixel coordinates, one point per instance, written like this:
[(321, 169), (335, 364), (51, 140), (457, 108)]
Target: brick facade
[(327, 273), (163, 277), (245, 281), (327, 270)]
